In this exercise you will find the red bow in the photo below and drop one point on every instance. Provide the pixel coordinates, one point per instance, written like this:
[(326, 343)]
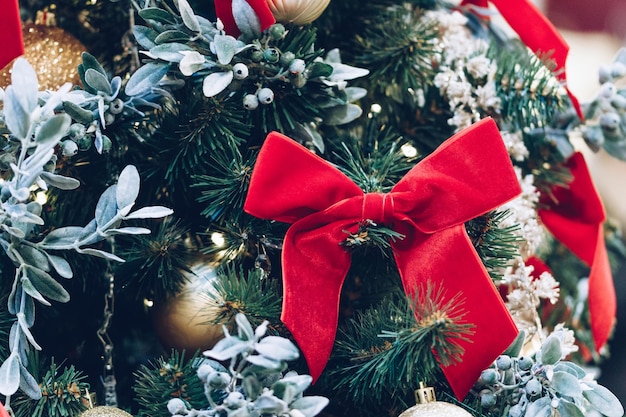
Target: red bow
[(10, 32), (224, 10), (468, 175), (536, 31), (575, 219)]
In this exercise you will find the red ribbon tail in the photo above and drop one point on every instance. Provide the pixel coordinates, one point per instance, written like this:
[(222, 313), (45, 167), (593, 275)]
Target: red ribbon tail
[(10, 32), (602, 298), (468, 289)]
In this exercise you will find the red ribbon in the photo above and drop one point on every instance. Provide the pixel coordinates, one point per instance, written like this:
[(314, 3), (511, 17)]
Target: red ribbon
[(224, 10), (10, 32), (576, 219), (536, 31), (468, 175)]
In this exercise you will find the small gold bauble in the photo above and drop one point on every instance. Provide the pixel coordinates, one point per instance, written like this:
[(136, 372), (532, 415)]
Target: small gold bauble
[(183, 321), (428, 406), (297, 11), (105, 411), (53, 53)]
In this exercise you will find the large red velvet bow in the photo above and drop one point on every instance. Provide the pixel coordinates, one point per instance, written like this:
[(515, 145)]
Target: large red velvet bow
[(536, 31), (224, 10), (576, 219), (10, 32), (468, 175)]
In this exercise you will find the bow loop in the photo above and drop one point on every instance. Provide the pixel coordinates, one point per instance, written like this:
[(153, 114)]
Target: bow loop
[(290, 182), (456, 182)]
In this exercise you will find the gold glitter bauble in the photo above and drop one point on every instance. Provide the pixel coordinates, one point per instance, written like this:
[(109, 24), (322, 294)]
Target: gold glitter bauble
[(105, 411), (428, 406), (183, 321), (53, 53)]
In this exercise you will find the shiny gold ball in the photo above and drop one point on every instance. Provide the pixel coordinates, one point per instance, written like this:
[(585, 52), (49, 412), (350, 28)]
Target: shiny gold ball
[(435, 409), (183, 321), (105, 411), (53, 53)]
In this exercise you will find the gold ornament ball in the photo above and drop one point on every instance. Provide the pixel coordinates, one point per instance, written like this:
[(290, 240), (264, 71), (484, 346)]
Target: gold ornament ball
[(183, 321), (53, 53), (105, 411), (435, 409)]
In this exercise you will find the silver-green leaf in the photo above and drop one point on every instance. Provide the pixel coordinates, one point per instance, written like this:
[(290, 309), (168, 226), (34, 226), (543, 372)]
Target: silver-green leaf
[(53, 130), (150, 212), (98, 81), (189, 18), (127, 186), (47, 285), (310, 406), (603, 400), (217, 82), (146, 77), (10, 375)]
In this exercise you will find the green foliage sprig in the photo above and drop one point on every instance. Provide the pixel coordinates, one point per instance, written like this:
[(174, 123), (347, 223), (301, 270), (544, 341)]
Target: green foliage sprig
[(253, 384), (34, 131), (280, 78), (544, 384), (167, 378)]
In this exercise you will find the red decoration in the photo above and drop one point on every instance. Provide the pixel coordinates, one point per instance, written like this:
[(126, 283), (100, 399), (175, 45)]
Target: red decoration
[(536, 31), (3, 411), (224, 11), (575, 217), (10, 32), (468, 175)]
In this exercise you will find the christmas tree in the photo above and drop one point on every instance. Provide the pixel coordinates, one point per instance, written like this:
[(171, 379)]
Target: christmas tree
[(293, 208)]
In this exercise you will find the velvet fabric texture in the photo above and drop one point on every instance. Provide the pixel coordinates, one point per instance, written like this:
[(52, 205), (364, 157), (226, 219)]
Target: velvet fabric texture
[(468, 175), (575, 217), (537, 32), (224, 11), (10, 32)]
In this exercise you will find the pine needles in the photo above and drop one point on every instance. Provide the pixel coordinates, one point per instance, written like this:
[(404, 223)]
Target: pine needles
[(167, 378), (389, 349)]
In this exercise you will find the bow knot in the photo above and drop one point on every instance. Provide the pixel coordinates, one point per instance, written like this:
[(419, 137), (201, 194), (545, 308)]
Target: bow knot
[(378, 207), (467, 176)]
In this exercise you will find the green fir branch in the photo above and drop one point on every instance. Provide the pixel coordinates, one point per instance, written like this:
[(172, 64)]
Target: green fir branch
[(495, 244), (156, 264), (64, 393), (224, 190), (389, 349), (400, 55), (167, 378), (250, 294), (529, 91), (375, 163)]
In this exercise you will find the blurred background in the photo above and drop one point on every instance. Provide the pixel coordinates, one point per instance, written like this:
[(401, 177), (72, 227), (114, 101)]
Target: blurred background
[(595, 31)]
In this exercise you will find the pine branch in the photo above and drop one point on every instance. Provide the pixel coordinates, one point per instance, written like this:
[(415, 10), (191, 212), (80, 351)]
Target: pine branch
[(64, 393), (156, 264), (387, 350), (529, 92), (224, 190), (167, 378), (375, 162), (399, 55), (496, 245), (249, 294)]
